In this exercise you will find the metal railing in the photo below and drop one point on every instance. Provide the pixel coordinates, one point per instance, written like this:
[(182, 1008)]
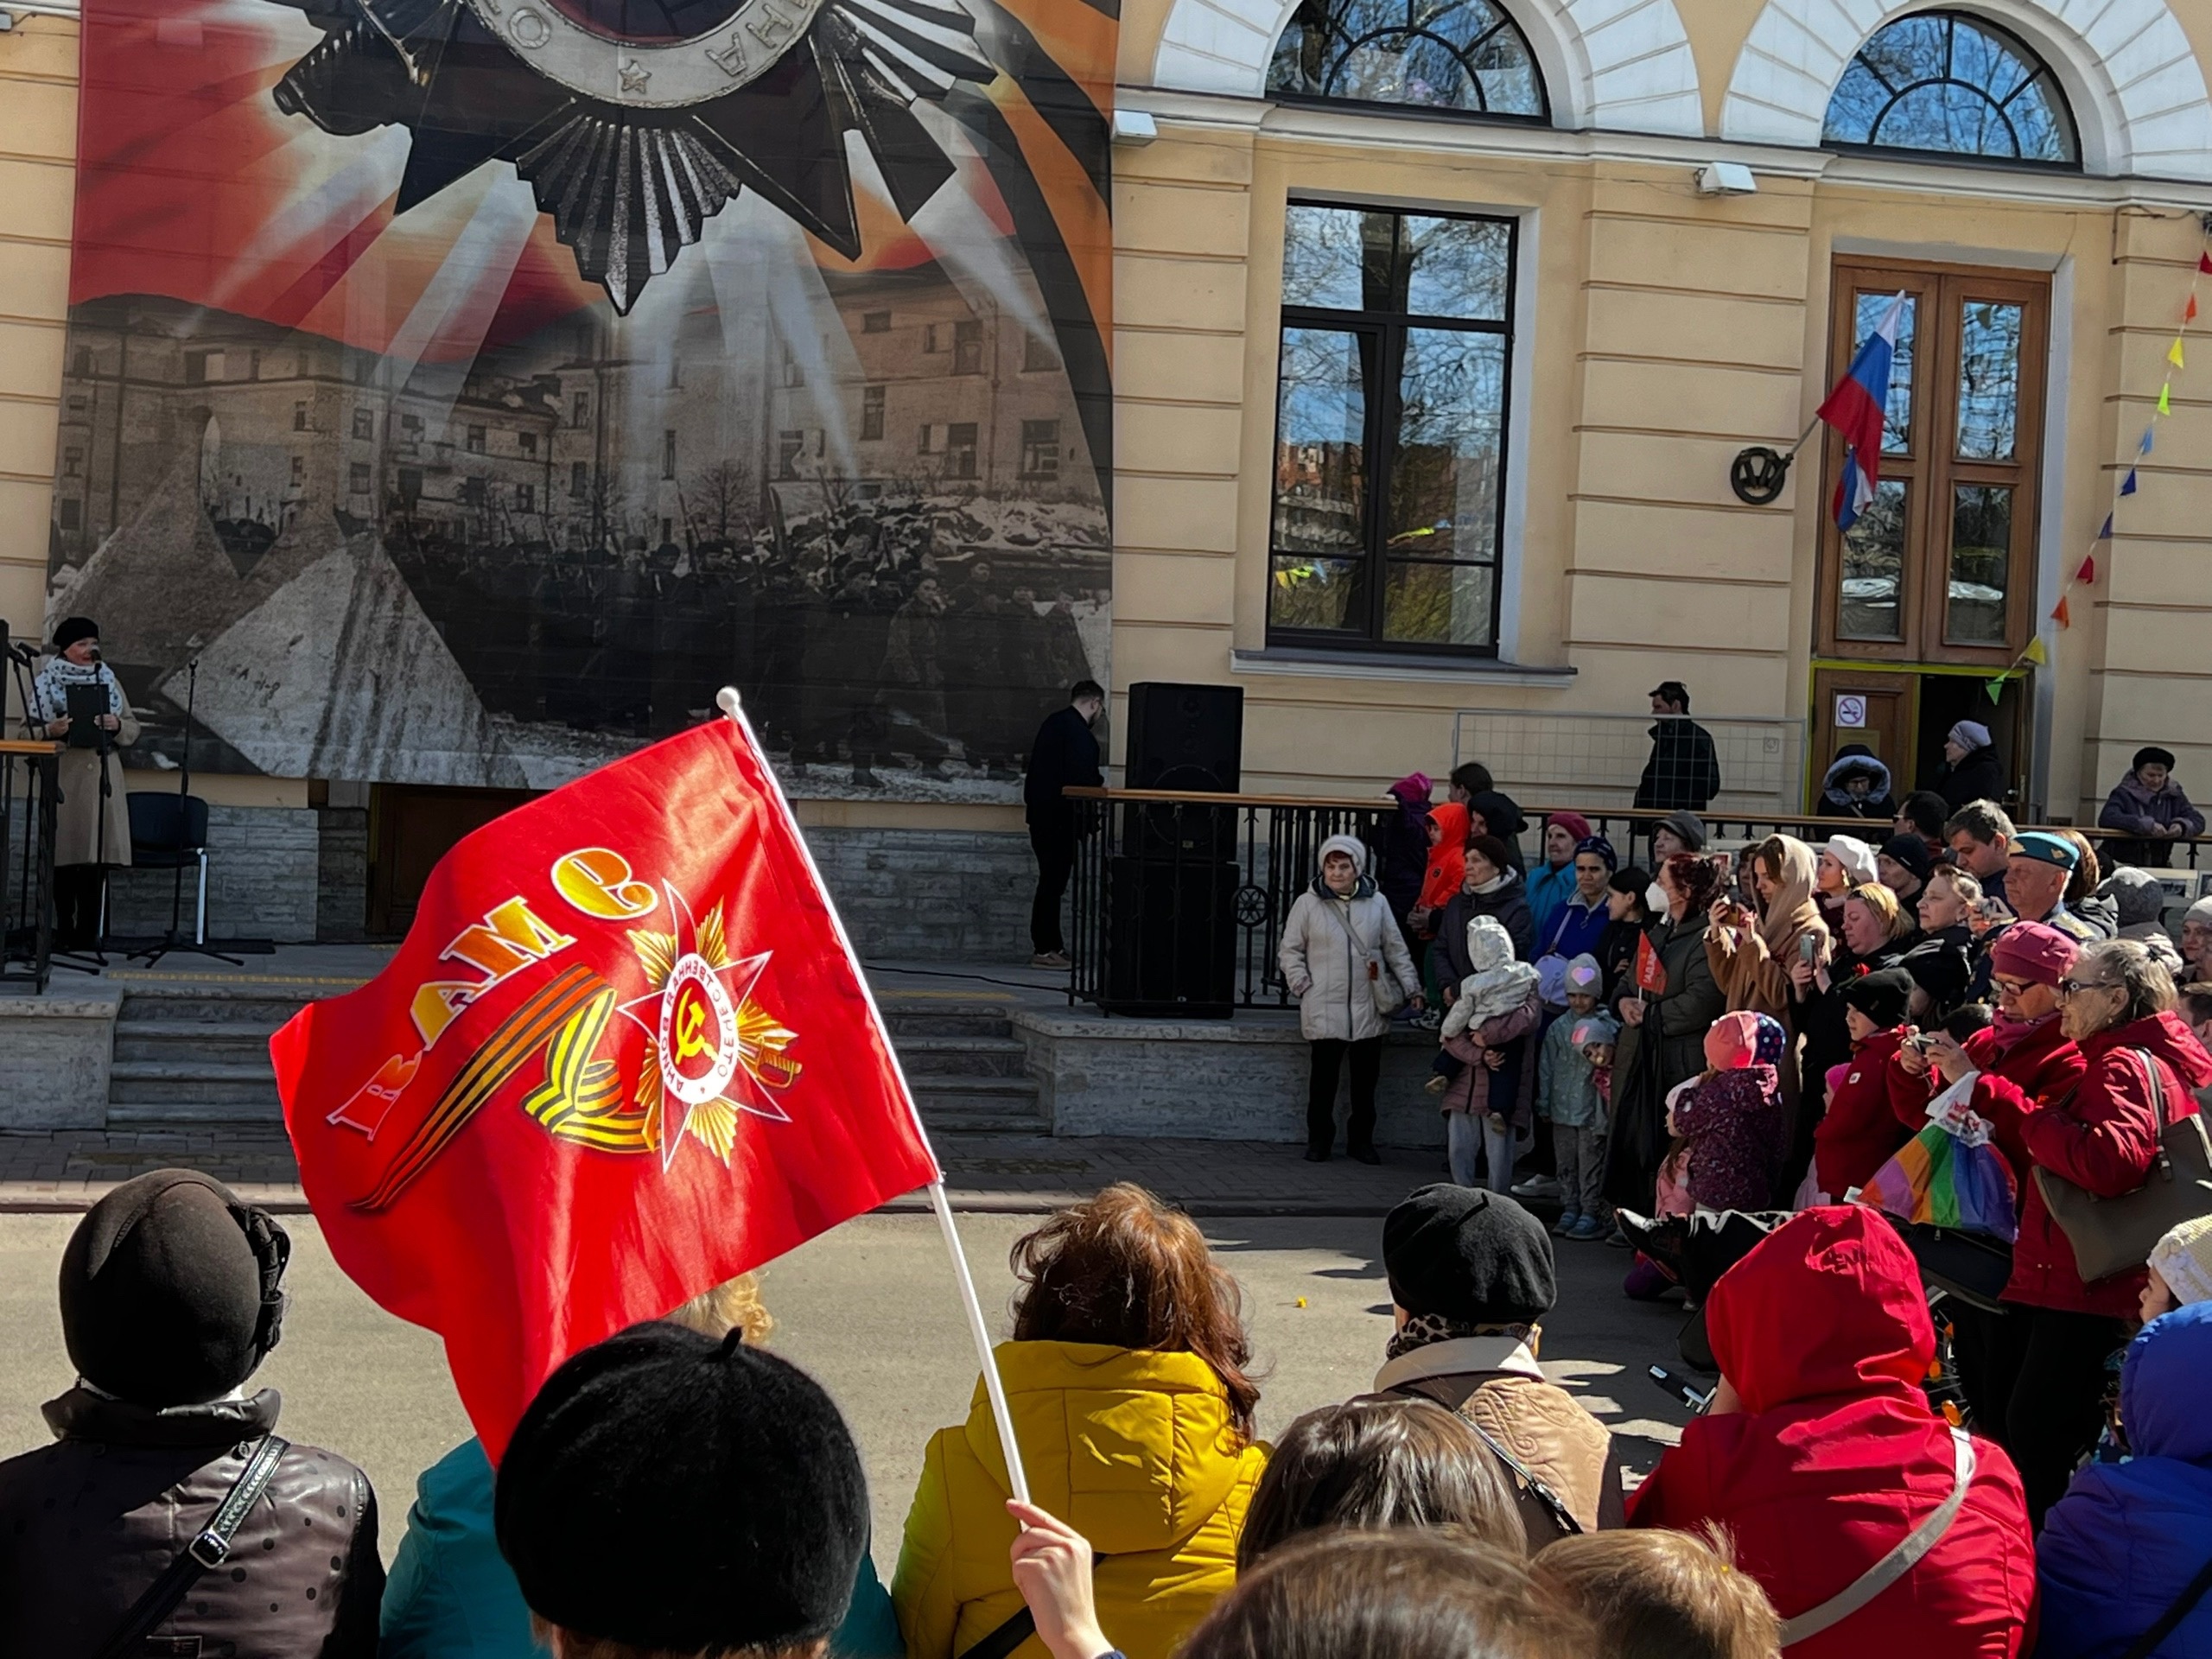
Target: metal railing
[(1179, 898), (29, 794)]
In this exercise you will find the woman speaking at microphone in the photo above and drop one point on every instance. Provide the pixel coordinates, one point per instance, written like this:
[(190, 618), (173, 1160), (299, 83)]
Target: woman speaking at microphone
[(82, 844)]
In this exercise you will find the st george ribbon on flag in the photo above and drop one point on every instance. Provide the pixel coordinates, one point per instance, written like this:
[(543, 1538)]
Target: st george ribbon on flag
[(626, 1054), (1854, 409)]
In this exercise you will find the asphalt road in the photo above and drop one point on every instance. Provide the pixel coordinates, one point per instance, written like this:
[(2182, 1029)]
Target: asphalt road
[(871, 1310)]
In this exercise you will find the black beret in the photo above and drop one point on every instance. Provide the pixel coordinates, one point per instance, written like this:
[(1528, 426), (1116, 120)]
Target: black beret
[(1464, 1253), (1882, 996), (669, 1491), (161, 1290), (2152, 756), (73, 629)]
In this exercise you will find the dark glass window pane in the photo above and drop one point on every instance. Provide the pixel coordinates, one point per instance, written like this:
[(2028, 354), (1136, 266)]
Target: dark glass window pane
[(1447, 54), (1445, 476), (1321, 440), (1873, 565), (1339, 258), (1989, 380), (1951, 85), (1896, 413), (1438, 604), (1981, 560), (1457, 267), (1309, 593)]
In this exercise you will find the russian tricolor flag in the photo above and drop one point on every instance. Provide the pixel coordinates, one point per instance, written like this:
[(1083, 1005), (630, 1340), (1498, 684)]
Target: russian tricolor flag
[(1854, 409)]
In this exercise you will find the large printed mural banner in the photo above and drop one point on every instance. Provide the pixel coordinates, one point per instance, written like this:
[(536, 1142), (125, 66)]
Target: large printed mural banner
[(470, 387)]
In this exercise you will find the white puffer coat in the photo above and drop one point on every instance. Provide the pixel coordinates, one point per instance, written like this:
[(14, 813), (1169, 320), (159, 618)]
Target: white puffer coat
[(1336, 951)]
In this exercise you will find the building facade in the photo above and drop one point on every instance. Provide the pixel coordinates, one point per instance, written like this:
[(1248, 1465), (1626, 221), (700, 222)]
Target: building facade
[(1438, 330)]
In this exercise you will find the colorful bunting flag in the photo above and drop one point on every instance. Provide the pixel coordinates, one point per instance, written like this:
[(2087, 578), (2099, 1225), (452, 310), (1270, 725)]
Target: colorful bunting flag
[(2166, 398), (2204, 263), (2089, 570), (2127, 484), (2104, 534), (1995, 689), (2144, 448), (2190, 315), (2173, 353)]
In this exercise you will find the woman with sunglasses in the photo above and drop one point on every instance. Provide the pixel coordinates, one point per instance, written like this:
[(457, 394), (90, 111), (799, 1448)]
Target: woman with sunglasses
[(2038, 1369)]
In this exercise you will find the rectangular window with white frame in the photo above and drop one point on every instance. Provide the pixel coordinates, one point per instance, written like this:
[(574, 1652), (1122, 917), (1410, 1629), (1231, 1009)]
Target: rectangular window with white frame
[(1387, 530)]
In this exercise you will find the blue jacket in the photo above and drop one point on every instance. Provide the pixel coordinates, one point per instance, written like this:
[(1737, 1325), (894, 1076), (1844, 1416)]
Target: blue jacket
[(1575, 928), (1567, 1088), (2127, 1537), (1547, 889), (451, 1595)]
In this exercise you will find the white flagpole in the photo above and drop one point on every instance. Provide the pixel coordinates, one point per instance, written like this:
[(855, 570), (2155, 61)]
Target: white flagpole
[(1002, 1414)]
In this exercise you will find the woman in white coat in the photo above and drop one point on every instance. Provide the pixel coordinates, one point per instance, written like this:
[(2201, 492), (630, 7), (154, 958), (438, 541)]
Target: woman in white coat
[(1347, 964)]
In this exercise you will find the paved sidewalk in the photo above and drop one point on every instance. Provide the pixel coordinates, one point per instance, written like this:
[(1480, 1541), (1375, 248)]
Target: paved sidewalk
[(69, 1169)]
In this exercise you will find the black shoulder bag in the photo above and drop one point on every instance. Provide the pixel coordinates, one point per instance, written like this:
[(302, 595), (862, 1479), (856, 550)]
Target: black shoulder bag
[(998, 1642), (204, 1553)]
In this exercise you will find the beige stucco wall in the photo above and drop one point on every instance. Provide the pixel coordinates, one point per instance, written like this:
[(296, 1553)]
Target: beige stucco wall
[(1660, 332)]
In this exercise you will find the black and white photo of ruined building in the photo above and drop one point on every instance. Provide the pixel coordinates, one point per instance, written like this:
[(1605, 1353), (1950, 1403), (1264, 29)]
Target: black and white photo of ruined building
[(864, 499)]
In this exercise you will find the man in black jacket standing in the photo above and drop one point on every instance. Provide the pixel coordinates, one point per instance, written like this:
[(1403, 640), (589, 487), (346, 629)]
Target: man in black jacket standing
[(1063, 755), (1683, 770)]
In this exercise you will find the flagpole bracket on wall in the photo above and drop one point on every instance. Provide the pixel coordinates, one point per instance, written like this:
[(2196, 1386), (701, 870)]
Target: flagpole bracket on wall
[(1757, 473)]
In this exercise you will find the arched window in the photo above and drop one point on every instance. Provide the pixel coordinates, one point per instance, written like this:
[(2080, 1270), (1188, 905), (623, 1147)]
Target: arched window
[(1955, 85), (1438, 55)]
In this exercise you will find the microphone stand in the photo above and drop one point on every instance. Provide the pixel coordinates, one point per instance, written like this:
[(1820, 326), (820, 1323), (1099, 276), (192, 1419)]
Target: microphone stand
[(174, 939)]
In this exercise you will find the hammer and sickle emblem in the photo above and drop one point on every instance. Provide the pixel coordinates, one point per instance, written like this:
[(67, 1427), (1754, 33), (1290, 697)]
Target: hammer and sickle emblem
[(690, 1021)]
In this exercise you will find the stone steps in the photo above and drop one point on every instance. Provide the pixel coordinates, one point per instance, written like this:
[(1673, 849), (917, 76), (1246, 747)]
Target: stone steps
[(199, 1056)]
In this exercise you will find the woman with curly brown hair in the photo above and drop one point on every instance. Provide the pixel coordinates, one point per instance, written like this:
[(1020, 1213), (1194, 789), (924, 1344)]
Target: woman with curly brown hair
[(1133, 1409)]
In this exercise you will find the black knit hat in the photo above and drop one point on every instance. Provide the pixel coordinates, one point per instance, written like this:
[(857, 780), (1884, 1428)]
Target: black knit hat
[(1462, 1253), (2152, 756), (170, 1289), (1911, 852), (1882, 996), (73, 629), (669, 1491)]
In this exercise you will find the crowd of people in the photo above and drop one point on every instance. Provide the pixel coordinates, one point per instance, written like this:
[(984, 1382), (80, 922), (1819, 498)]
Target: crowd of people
[(678, 1491)]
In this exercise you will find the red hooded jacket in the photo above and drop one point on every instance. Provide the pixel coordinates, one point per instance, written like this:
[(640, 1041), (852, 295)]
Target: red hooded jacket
[(1859, 1131), (1836, 1456), (2101, 1134), (1448, 860)]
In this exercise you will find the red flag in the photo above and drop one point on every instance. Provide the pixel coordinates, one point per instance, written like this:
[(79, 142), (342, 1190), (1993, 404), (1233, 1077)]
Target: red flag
[(2062, 612), (1651, 972), (2190, 315), (2089, 570), (2204, 263), (623, 1056)]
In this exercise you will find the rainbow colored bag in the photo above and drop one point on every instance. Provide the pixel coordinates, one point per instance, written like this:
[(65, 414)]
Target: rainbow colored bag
[(1940, 1179)]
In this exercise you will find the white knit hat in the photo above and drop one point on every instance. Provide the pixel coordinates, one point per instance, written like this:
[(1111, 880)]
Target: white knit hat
[(2184, 1259)]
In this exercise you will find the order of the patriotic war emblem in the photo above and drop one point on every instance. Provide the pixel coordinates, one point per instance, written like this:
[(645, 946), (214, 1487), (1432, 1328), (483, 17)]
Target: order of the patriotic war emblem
[(634, 121)]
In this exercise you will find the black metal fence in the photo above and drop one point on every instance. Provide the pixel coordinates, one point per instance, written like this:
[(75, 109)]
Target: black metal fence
[(28, 795), (1179, 898)]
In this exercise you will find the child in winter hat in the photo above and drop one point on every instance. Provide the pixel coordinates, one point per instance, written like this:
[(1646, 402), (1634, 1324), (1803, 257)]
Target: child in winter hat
[(2181, 1268)]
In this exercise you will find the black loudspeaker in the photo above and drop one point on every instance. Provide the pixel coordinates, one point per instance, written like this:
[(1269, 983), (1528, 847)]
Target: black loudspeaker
[(1171, 937), (1186, 737), (1191, 738)]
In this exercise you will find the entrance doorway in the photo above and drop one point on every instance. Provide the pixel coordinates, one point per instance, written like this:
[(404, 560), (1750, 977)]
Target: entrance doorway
[(1930, 595), (411, 827), (1903, 717)]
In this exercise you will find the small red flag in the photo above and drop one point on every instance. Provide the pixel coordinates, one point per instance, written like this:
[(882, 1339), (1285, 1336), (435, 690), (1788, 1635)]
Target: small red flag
[(2062, 612), (2204, 263), (624, 1055), (2089, 570), (2190, 315), (1651, 972)]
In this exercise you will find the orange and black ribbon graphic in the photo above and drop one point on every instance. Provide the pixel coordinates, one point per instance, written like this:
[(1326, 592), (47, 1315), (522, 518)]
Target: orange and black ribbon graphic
[(518, 1036)]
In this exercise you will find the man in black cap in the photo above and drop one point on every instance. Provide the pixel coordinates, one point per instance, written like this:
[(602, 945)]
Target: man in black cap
[(1683, 770), (2150, 808), (669, 1493), (167, 1517), (1470, 1275)]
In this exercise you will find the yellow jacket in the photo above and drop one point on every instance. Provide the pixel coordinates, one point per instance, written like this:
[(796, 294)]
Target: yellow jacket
[(1134, 1450)]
